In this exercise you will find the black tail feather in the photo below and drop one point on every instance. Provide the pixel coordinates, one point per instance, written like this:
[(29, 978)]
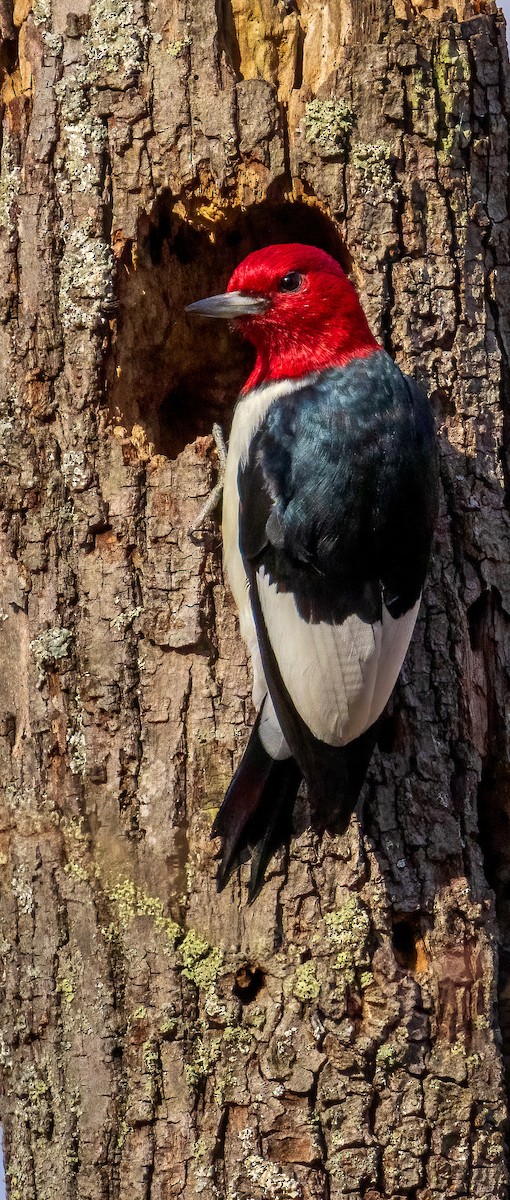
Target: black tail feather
[(276, 816), (241, 802), (256, 815), (336, 783), (256, 812)]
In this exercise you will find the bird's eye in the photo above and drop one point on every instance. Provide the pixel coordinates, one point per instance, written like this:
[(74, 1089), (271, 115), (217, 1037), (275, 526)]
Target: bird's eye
[(290, 282)]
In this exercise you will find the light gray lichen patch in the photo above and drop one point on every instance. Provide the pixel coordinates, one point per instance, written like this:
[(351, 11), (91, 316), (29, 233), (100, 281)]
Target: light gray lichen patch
[(22, 889), (41, 12), (82, 129), (86, 141), (86, 279), (53, 42), (49, 648), (5, 1055), (328, 125), (76, 746), (117, 39), (373, 162), (114, 49), (76, 470), (9, 183), (272, 1181), (344, 1164), (125, 618)]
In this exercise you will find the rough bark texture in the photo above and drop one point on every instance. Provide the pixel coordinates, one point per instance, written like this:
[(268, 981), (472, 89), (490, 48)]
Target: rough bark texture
[(341, 1037)]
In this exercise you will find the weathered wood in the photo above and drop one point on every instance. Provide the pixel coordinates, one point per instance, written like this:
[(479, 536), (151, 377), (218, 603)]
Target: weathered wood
[(341, 1037)]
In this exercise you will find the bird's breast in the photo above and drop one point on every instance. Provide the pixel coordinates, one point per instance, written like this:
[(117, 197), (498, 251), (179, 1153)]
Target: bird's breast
[(248, 416)]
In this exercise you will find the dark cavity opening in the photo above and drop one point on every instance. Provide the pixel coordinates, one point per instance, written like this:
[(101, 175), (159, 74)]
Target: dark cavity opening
[(8, 62), (248, 981), (405, 936), (173, 374)]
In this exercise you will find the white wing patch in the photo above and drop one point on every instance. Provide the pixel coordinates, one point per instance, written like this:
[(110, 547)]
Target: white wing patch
[(339, 677)]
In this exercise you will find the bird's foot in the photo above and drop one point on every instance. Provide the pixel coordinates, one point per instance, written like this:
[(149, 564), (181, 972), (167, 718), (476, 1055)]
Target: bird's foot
[(215, 495)]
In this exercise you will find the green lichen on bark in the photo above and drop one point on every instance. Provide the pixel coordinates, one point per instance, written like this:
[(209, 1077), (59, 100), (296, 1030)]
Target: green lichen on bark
[(204, 1057), (306, 986), (131, 902), (175, 49), (452, 74), (202, 963), (348, 929)]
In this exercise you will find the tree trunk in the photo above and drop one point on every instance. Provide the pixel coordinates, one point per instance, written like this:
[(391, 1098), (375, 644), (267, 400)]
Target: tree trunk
[(341, 1037)]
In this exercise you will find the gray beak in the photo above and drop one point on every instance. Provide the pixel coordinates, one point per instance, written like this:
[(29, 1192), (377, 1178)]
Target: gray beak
[(229, 306)]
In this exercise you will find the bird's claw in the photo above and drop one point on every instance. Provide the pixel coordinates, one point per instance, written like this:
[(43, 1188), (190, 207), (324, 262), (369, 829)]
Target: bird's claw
[(215, 495)]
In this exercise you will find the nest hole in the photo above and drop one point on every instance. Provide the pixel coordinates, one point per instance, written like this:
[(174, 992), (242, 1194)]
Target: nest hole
[(407, 942), (248, 982), (169, 372)]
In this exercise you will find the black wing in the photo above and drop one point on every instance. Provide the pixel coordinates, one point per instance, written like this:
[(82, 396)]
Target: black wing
[(337, 506)]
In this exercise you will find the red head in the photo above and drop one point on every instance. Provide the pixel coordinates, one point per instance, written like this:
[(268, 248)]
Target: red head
[(298, 308)]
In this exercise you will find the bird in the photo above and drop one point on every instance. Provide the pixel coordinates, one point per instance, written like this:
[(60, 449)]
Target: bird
[(330, 499)]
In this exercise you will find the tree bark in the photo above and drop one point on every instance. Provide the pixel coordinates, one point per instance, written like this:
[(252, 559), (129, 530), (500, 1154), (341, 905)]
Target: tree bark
[(342, 1036)]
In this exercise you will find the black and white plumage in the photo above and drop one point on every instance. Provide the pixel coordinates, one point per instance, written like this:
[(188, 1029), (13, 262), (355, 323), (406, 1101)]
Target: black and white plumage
[(330, 497)]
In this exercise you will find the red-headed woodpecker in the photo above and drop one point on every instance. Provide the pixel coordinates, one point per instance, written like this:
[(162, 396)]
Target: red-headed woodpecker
[(330, 499)]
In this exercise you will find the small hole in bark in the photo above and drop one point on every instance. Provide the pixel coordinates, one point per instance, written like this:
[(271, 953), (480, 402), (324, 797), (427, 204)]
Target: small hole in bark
[(404, 938), (168, 373), (249, 980)]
